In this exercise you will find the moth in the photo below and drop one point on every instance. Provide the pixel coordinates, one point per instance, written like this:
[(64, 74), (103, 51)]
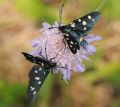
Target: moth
[(75, 31), (38, 73)]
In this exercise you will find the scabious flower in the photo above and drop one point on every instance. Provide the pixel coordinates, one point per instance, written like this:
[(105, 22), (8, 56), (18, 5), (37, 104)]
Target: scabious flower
[(51, 45)]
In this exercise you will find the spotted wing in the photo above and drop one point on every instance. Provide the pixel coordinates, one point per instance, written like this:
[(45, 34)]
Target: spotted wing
[(37, 76), (72, 42), (33, 59), (85, 23)]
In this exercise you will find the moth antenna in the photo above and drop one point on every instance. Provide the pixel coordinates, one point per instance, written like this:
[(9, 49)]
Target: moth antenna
[(60, 16), (101, 5), (60, 13)]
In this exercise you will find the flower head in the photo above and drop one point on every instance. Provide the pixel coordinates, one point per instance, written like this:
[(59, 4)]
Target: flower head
[(50, 45)]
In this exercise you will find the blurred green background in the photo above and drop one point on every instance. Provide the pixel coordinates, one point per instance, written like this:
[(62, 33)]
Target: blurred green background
[(98, 86)]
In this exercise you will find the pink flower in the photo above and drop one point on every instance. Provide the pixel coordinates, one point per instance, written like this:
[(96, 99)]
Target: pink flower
[(52, 41)]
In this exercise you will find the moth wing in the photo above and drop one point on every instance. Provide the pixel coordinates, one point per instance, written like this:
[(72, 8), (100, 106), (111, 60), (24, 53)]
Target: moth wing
[(37, 76), (84, 24), (33, 59), (72, 42)]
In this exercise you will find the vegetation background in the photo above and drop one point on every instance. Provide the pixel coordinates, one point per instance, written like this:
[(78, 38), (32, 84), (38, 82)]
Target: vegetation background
[(98, 86)]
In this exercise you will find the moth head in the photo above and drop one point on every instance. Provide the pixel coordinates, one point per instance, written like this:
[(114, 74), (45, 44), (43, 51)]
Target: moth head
[(64, 29)]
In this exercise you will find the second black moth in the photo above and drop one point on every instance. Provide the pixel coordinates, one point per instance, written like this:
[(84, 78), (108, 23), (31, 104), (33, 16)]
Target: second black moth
[(37, 74), (75, 31)]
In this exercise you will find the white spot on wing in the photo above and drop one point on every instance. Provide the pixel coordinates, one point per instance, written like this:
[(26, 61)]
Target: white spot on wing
[(71, 42), (36, 71), (39, 82), (73, 25), (67, 38), (40, 69), (32, 88), (34, 92), (85, 28), (79, 20), (84, 22), (89, 17), (42, 64), (37, 78), (93, 20), (66, 35)]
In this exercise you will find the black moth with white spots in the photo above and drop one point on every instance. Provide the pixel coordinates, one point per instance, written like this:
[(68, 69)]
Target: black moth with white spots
[(75, 31), (37, 74)]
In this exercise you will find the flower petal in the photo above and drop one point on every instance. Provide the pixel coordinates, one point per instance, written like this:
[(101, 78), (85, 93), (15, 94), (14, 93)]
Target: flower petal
[(91, 49), (35, 43), (56, 70), (35, 52), (66, 74), (90, 38), (84, 57), (79, 68), (46, 25), (51, 44), (56, 24)]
